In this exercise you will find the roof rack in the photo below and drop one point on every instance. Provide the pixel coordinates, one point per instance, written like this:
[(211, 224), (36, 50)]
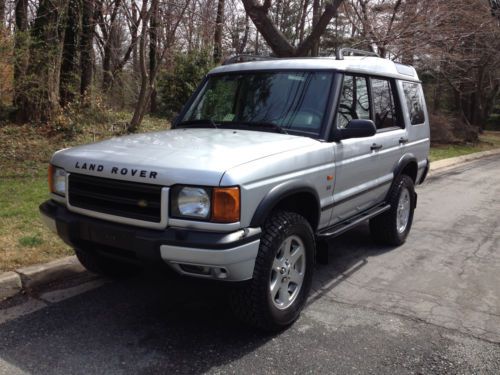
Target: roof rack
[(340, 53), (244, 58)]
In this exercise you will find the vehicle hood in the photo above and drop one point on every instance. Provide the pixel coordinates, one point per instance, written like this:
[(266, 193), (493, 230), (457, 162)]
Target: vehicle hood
[(186, 156)]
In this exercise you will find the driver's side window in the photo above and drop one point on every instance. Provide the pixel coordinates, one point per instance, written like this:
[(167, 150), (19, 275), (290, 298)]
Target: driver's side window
[(354, 101)]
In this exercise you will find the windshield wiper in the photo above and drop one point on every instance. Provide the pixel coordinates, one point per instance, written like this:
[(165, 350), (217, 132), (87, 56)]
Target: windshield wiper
[(200, 122), (268, 125)]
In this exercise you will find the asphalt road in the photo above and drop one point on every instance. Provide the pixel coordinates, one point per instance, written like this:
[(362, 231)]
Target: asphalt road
[(431, 306)]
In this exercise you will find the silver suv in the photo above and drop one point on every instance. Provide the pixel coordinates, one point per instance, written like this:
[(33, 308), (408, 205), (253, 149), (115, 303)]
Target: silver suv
[(268, 160)]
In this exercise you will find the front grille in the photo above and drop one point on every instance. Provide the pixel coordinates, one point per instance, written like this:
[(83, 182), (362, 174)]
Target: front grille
[(114, 197)]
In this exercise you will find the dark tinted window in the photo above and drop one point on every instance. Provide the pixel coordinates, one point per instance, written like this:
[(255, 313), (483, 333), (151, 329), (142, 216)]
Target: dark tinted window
[(354, 101), (383, 104), (414, 102), (291, 100)]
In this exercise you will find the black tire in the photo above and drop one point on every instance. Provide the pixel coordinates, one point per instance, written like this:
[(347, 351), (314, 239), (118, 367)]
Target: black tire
[(103, 266), (384, 227), (252, 302)]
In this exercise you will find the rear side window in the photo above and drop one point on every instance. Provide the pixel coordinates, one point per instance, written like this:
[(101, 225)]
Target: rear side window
[(354, 101), (414, 102), (383, 104)]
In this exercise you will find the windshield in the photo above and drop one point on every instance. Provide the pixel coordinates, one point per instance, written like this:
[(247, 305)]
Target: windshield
[(279, 101)]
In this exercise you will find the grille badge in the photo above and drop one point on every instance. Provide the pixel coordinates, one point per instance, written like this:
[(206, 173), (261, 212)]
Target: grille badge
[(142, 203)]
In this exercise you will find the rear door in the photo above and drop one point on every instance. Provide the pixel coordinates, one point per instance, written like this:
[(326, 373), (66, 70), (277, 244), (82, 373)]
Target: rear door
[(364, 166)]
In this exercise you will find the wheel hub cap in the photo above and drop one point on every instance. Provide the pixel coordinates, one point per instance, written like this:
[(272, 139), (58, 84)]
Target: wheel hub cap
[(287, 274), (403, 211)]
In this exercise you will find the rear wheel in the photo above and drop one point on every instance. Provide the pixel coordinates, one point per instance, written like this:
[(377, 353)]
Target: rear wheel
[(103, 266), (392, 227), (275, 296)]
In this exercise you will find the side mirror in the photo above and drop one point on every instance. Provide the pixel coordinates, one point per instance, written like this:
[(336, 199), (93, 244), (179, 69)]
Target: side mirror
[(358, 129)]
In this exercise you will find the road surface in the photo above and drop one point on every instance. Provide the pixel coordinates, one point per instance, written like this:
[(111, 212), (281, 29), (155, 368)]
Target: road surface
[(431, 306)]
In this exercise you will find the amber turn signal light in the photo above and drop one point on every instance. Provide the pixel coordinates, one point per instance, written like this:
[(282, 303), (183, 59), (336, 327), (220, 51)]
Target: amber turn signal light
[(226, 205)]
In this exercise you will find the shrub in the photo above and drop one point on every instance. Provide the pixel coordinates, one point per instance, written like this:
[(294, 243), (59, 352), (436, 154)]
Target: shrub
[(176, 86), (450, 129)]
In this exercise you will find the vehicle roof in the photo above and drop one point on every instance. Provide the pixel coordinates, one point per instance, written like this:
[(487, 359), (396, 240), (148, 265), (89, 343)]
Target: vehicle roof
[(353, 64)]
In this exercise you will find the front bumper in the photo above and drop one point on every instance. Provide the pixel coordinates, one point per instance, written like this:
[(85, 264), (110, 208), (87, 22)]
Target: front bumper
[(224, 256)]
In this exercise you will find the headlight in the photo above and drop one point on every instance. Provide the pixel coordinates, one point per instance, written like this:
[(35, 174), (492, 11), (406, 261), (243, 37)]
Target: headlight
[(191, 202), (219, 205), (57, 180)]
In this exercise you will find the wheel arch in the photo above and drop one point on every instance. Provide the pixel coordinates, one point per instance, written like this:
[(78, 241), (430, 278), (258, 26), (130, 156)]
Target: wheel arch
[(292, 196), (407, 165)]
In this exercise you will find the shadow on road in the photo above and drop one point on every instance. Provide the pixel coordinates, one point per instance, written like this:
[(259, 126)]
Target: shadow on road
[(348, 254), (153, 322)]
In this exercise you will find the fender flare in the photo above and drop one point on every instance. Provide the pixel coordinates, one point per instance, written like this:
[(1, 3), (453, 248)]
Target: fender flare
[(403, 163), (276, 195)]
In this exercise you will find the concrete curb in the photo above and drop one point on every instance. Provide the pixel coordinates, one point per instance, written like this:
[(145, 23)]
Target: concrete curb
[(39, 275), (10, 284), (451, 162)]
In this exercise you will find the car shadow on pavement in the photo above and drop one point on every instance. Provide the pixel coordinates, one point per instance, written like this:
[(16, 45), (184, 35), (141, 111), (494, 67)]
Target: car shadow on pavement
[(347, 254), (154, 323)]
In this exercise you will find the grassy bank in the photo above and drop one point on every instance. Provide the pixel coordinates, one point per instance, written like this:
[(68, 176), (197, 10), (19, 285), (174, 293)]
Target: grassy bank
[(24, 155), (488, 141)]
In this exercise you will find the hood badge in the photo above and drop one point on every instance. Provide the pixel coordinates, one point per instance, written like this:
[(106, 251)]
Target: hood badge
[(116, 170)]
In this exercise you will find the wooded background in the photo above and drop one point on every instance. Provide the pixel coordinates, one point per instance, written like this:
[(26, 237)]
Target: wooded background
[(147, 56)]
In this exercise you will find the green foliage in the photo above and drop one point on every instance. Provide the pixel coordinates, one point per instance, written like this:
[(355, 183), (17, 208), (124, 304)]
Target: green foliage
[(30, 241), (175, 87)]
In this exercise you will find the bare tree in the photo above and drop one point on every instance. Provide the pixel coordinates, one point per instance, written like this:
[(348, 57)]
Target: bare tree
[(218, 31), (87, 47), (259, 13), (39, 100), (69, 65), (21, 49), (153, 51), (2, 13), (148, 79)]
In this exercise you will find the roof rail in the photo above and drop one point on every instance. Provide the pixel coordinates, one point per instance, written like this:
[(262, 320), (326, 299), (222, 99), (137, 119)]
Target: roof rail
[(244, 58), (340, 53)]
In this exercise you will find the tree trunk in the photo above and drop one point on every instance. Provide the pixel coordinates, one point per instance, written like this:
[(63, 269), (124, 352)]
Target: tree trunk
[(218, 31), (145, 90), (153, 52), (21, 49), (244, 40), (2, 13), (257, 42), (276, 39), (133, 35), (109, 41), (303, 17), (87, 48), (69, 67), (315, 43), (40, 98)]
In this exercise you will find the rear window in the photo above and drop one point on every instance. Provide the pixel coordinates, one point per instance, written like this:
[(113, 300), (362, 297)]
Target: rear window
[(383, 104), (414, 102)]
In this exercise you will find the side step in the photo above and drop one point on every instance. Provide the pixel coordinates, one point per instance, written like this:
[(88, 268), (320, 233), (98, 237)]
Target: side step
[(345, 225)]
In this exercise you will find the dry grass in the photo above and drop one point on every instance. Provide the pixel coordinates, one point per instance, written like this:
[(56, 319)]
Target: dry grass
[(24, 155), (489, 140)]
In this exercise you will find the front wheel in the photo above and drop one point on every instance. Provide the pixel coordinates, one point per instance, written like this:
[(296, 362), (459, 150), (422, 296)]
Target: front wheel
[(282, 276), (392, 227)]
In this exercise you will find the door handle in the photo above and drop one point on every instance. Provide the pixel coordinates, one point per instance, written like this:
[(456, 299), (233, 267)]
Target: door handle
[(403, 140), (376, 147)]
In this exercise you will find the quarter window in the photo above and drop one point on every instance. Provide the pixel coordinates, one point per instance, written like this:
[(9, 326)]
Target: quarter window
[(414, 102), (383, 104), (354, 101)]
